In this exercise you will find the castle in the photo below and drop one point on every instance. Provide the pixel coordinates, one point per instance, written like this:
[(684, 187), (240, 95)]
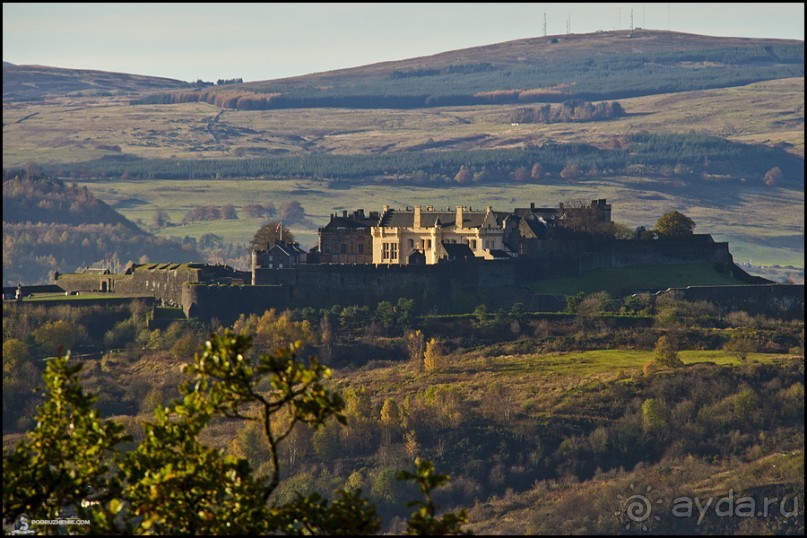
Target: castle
[(427, 236), (447, 260)]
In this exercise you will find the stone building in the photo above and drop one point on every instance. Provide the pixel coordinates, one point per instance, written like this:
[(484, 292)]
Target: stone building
[(281, 255), (347, 239), (401, 233)]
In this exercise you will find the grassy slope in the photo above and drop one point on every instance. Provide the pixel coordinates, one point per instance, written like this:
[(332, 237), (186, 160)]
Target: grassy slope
[(74, 129), (37, 81)]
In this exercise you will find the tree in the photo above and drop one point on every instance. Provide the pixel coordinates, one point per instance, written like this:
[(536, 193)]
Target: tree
[(160, 218), (742, 342), (773, 176), (171, 483), (464, 175), (537, 171), (675, 225), (66, 457), (268, 234), (423, 520), (654, 416), (433, 356), (416, 346), (570, 171), (665, 353), (521, 174)]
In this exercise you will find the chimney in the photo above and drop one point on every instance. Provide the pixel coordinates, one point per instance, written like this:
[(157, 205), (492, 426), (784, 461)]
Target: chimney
[(416, 222), (459, 216)]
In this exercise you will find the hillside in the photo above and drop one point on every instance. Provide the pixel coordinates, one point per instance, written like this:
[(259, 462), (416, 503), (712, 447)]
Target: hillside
[(48, 226), (598, 66), (545, 423), (37, 82)]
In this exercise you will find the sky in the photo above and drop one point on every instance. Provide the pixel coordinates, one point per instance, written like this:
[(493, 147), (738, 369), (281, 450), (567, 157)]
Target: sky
[(264, 41)]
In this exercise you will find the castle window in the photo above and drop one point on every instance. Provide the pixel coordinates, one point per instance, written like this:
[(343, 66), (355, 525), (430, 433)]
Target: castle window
[(361, 249), (385, 251), (394, 251), (473, 244), (411, 244), (343, 248)]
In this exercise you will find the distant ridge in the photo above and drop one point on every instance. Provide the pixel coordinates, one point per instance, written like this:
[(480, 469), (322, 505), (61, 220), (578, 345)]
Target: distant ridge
[(35, 82), (596, 66)]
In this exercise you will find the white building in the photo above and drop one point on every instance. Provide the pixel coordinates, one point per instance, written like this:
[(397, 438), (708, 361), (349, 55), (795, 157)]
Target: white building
[(417, 235)]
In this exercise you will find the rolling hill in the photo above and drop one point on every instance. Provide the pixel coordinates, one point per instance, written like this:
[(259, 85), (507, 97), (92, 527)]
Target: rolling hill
[(36, 83), (598, 66), (49, 226)]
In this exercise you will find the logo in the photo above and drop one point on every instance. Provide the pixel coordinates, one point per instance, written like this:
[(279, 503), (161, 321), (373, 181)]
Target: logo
[(21, 525), (637, 509)]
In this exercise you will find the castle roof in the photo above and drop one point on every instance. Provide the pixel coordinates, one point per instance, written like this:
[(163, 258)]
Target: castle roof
[(348, 222), (458, 251), (394, 218)]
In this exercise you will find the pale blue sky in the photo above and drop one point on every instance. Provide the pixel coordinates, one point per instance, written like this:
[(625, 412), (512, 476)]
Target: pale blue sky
[(275, 40)]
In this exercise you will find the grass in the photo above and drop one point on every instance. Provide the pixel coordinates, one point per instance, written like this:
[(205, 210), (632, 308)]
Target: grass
[(76, 129), (620, 279), (542, 381)]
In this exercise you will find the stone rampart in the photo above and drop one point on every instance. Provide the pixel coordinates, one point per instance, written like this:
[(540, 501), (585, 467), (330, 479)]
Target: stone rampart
[(782, 301), (226, 302)]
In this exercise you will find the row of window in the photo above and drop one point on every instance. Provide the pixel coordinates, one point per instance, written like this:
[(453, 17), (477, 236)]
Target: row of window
[(326, 248), (389, 251)]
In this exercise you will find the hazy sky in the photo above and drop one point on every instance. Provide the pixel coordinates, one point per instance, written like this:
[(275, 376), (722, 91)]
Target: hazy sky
[(275, 40)]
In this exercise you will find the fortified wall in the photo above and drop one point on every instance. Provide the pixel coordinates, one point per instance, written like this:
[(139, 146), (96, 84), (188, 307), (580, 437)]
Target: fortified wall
[(164, 281), (783, 301), (324, 285), (222, 293)]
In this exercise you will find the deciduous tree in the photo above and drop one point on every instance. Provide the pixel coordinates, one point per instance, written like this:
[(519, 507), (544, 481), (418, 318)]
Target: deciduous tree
[(268, 234), (675, 225), (172, 483)]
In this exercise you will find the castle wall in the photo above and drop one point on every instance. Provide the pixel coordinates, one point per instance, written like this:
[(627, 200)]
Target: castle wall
[(784, 301), (227, 302), (164, 281)]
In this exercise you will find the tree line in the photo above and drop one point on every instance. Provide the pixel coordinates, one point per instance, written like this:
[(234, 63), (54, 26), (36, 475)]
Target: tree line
[(690, 156), (574, 110)]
